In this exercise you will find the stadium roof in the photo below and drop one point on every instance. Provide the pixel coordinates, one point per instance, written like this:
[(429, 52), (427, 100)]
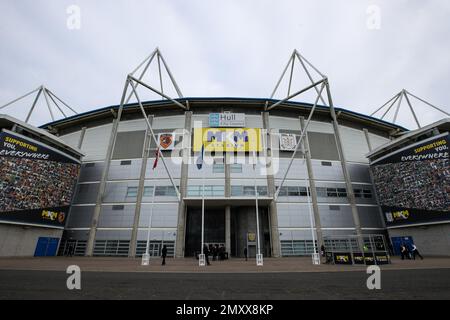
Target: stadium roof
[(409, 137), (342, 113), (8, 122)]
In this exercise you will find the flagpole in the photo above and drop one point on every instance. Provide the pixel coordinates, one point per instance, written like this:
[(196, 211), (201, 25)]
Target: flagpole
[(150, 220), (146, 256), (203, 209), (200, 163), (259, 260)]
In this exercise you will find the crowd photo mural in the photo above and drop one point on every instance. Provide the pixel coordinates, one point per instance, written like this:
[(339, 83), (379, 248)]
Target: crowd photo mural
[(36, 182), (413, 184)]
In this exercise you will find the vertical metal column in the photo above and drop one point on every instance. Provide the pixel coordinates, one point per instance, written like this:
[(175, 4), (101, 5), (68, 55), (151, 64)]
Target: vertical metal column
[(273, 213), (140, 194), (186, 154), (102, 187), (228, 207), (312, 184), (348, 183), (80, 140)]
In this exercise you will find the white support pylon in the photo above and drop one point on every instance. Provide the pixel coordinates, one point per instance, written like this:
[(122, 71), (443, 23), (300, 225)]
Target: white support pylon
[(50, 99), (404, 95)]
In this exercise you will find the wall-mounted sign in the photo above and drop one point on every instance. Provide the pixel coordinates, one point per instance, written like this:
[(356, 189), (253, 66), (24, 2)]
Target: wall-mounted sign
[(227, 139), (251, 237), (288, 141), (166, 141), (227, 119)]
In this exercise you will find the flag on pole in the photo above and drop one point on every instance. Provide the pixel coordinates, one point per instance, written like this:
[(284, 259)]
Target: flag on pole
[(200, 158), (155, 163)]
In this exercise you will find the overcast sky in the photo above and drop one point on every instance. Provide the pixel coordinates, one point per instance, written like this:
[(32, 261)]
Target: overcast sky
[(370, 50)]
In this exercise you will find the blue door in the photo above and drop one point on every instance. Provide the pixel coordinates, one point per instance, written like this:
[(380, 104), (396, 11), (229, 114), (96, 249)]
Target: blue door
[(398, 241), (46, 247)]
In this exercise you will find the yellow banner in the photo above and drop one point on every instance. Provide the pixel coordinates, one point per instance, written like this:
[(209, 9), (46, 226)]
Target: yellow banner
[(227, 139)]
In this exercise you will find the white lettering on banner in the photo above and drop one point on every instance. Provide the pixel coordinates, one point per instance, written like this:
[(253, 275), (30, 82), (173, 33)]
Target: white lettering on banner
[(23, 154)]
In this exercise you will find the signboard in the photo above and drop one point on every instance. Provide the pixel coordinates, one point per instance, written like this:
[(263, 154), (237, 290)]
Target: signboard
[(36, 182), (166, 141), (412, 183), (227, 139), (251, 237), (288, 141), (227, 119), (342, 258)]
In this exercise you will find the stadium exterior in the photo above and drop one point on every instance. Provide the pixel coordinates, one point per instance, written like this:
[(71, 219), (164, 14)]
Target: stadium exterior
[(333, 159)]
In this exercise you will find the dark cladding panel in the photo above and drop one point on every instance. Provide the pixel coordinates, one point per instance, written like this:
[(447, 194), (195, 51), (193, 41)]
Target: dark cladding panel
[(323, 146), (129, 145)]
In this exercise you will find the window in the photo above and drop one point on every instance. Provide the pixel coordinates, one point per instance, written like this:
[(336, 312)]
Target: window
[(132, 192), (342, 192), (321, 192), (210, 191), (283, 192), (118, 207), (89, 165), (236, 191), (165, 191), (218, 168), (358, 193), (367, 193), (335, 208), (326, 163), (293, 192), (148, 191), (332, 192), (249, 190), (303, 191), (262, 190), (236, 168), (125, 163)]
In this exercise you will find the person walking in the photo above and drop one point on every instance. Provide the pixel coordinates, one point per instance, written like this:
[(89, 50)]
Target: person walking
[(245, 253), (415, 252), (164, 255)]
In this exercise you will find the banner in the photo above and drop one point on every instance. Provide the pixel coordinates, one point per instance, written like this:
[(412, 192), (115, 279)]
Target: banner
[(412, 183), (36, 182), (227, 139)]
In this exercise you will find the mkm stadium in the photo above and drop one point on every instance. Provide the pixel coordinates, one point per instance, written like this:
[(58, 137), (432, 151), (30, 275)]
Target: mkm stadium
[(278, 177)]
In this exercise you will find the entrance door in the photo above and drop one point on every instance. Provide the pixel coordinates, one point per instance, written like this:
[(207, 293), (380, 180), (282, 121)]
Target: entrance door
[(154, 249), (398, 241), (46, 247), (214, 228)]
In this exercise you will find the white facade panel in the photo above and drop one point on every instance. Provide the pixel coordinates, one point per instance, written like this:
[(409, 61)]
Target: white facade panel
[(95, 143), (354, 144), (284, 123), (376, 140), (318, 126), (72, 139)]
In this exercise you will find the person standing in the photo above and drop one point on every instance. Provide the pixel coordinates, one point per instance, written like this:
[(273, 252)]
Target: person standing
[(403, 251), (415, 252), (245, 253), (164, 255), (206, 253)]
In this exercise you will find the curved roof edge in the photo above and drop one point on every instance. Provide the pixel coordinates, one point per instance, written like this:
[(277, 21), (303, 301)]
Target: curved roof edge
[(230, 99)]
